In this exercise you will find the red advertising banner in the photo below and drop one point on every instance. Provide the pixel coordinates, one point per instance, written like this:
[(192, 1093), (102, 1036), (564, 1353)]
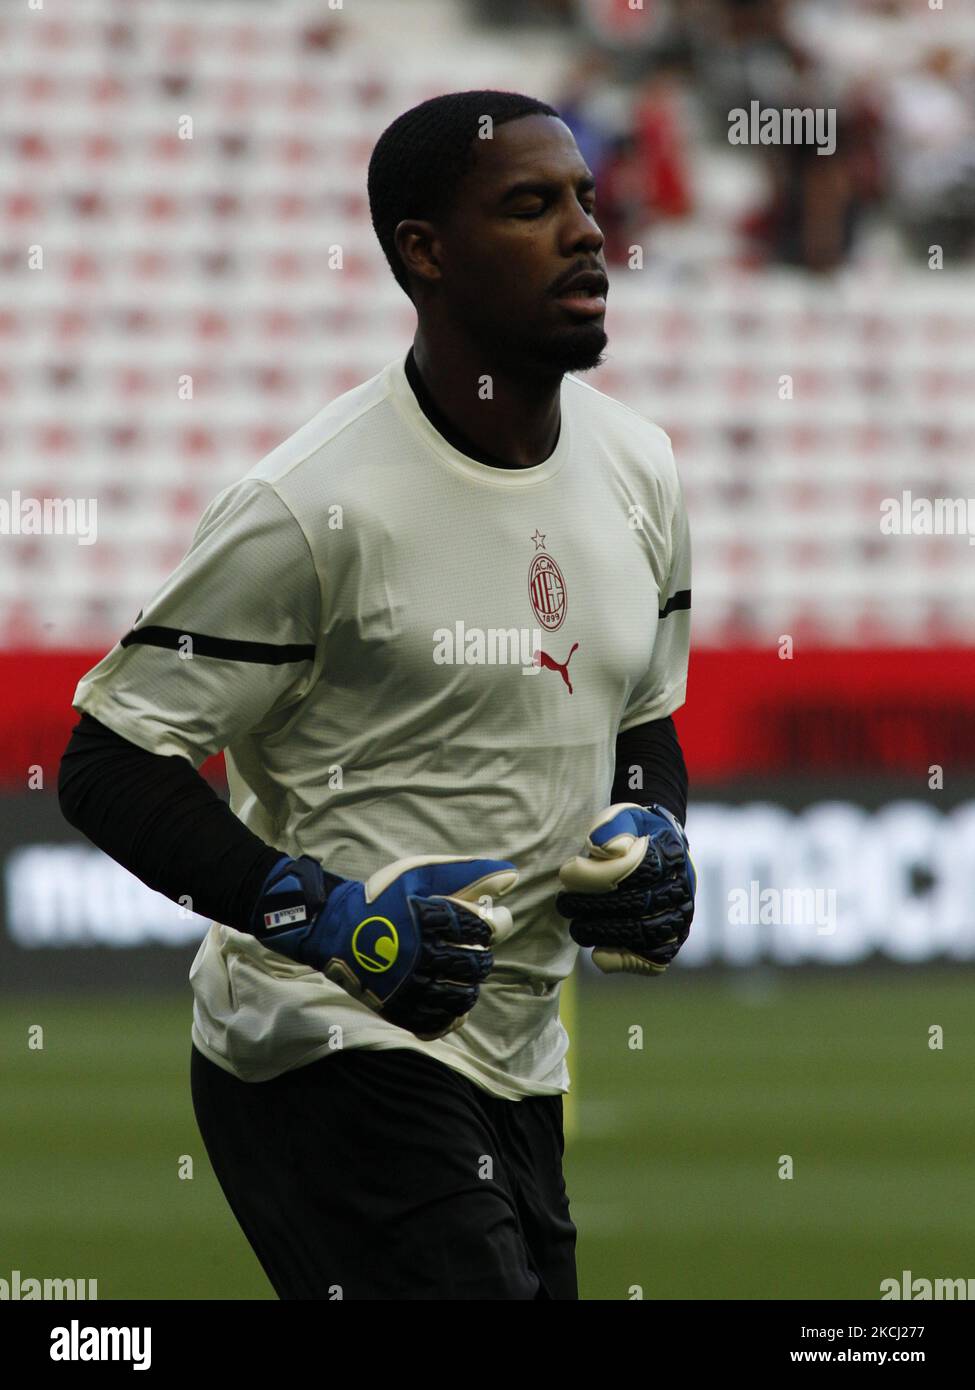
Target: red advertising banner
[(748, 712)]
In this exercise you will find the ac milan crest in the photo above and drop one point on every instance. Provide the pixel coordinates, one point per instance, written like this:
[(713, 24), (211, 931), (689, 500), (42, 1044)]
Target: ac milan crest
[(546, 589)]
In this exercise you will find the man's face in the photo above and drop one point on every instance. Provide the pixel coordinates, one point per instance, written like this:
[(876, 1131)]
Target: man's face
[(521, 228)]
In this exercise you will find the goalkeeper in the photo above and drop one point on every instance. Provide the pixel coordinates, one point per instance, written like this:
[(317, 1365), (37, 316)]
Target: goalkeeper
[(427, 816)]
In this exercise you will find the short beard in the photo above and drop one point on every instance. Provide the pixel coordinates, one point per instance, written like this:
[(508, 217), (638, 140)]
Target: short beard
[(577, 350), (543, 358)]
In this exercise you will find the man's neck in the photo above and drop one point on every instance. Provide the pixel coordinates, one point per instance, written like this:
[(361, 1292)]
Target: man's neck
[(486, 415)]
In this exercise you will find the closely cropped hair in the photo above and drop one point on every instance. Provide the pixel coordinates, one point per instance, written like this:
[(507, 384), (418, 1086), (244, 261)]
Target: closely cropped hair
[(421, 158)]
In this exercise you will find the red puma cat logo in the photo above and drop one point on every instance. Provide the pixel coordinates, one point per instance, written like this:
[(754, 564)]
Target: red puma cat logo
[(543, 659)]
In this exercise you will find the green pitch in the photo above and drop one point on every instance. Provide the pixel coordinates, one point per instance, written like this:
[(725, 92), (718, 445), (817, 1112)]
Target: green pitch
[(673, 1169)]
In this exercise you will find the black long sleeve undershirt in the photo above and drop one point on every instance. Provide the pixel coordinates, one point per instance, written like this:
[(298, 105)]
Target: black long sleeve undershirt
[(161, 820), (157, 816), (654, 749)]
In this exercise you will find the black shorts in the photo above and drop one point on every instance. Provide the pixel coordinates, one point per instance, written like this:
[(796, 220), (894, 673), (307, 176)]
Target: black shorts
[(388, 1175)]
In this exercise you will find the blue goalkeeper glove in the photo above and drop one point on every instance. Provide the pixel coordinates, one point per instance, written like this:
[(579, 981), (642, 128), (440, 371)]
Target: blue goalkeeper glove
[(413, 942), (632, 896)]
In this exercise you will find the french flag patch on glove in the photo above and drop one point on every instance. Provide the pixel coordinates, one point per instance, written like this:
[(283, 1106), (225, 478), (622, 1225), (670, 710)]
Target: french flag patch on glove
[(286, 917)]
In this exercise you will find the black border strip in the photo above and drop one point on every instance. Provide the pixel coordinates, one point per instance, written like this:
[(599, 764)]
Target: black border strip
[(224, 648), (682, 599)]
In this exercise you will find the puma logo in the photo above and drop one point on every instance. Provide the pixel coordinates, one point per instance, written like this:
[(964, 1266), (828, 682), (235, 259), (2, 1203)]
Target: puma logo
[(543, 659)]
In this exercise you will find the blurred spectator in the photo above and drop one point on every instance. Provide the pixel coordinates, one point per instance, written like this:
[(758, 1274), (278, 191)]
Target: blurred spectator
[(811, 218), (594, 108), (746, 53), (632, 140), (930, 142), (660, 144)]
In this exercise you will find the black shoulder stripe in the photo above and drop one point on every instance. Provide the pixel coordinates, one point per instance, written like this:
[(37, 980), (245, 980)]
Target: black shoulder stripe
[(226, 648), (682, 599)]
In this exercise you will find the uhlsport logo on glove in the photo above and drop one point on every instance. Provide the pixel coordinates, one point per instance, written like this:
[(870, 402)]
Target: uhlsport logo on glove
[(375, 944), (412, 943)]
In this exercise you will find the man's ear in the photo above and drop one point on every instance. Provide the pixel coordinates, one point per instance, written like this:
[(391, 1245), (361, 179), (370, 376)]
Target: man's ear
[(419, 246)]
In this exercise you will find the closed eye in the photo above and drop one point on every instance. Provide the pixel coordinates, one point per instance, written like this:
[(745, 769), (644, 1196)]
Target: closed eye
[(588, 208)]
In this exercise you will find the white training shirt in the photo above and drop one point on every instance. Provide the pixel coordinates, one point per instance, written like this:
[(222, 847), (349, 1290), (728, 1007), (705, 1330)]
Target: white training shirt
[(341, 584)]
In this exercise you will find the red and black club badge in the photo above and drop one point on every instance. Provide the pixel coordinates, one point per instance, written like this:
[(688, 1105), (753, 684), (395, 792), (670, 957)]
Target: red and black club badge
[(549, 599), (546, 588)]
